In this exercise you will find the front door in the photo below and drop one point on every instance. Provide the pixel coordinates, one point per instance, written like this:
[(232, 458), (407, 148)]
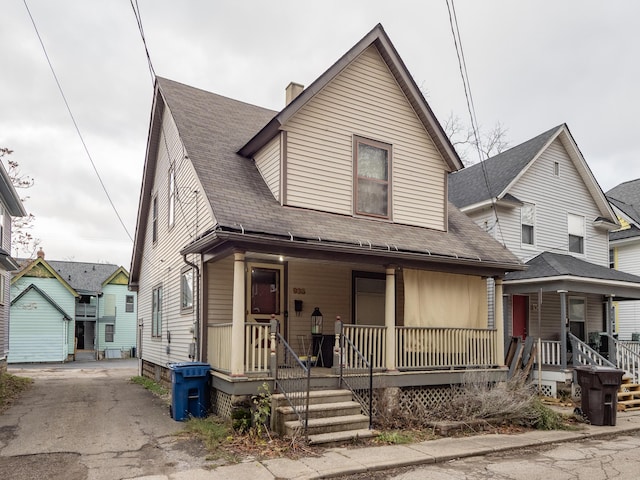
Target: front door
[(265, 293), (520, 315)]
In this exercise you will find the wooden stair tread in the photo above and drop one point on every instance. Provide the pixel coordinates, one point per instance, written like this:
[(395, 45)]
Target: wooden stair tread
[(343, 419), (346, 435), (317, 407)]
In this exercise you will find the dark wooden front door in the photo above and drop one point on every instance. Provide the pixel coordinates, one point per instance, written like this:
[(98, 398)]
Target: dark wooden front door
[(520, 315)]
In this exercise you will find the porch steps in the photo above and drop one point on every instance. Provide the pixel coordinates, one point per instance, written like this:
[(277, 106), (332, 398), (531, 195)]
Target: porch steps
[(628, 395), (334, 417)]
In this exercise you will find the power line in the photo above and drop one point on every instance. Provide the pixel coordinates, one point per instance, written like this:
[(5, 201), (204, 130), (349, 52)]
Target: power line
[(462, 65), (75, 124)]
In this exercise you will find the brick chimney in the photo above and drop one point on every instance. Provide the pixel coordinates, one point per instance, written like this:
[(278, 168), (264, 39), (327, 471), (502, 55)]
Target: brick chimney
[(293, 90), (40, 253)]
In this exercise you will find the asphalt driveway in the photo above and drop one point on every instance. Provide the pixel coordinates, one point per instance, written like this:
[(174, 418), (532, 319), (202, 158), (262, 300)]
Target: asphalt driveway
[(86, 420)]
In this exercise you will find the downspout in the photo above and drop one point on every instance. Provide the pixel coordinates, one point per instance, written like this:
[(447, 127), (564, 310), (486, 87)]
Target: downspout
[(196, 292), (97, 333)]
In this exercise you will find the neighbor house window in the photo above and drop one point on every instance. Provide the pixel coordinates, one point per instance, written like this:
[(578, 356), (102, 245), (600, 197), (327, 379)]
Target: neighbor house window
[(528, 221), (128, 304), (577, 316), (172, 196), (612, 258), (186, 289), (109, 330), (372, 174), (156, 313), (2, 217), (576, 233), (3, 285), (154, 219), (556, 169)]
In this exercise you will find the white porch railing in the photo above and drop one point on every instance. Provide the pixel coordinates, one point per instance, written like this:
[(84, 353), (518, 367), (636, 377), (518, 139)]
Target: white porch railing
[(256, 347), (583, 354), (628, 360), (219, 347), (423, 347), (631, 345), (550, 352), (370, 342)]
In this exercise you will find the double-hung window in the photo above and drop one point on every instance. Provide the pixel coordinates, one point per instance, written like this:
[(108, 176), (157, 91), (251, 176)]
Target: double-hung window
[(528, 221), (154, 219), (128, 304), (577, 316), (186, 289), (109, 331), (372, 177), (576, 233), (156, 313)]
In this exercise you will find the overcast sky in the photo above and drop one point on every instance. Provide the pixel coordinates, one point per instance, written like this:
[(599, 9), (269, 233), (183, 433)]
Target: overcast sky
[(532, 65)]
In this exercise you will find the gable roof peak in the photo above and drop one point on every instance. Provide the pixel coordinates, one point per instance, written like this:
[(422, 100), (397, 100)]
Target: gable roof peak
[(379, 38)]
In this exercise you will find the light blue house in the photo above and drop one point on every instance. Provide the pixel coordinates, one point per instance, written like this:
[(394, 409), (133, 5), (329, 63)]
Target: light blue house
[(63, 308)]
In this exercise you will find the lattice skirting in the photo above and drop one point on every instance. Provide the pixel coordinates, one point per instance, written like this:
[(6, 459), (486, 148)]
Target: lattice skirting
[(549, 389), (220, 403), (576, 391), (414, 399)]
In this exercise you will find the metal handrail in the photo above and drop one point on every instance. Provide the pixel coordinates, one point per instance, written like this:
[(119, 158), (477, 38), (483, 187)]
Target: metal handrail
[(355, 382), (293, 379)]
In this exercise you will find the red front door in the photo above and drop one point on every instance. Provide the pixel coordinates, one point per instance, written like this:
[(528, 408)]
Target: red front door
[(520, 313)]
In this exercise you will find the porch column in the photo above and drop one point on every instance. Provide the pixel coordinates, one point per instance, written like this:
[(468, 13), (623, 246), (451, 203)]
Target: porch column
[(390, 318), (611, 343), (498, 320), (563, 329), (238, 316)]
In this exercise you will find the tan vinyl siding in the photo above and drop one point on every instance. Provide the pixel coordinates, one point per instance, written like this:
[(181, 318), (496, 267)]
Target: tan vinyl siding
[(220, 293), (268, 162), (364, 100), (161, 263)]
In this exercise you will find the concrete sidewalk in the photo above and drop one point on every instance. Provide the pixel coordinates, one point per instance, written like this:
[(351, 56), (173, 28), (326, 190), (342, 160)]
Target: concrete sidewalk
[(344, 461)]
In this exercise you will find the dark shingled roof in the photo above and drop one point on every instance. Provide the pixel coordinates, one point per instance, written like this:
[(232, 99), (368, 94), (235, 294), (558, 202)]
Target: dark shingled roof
[(549, 264), (83, 277), (468, 186), (631, 232), (213, 128), (626, 197)]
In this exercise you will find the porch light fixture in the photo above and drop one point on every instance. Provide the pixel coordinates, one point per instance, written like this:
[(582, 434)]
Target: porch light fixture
[(316, 321)]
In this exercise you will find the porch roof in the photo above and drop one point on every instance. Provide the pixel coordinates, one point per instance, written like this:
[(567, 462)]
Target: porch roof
[(554, 271), (213, 128)]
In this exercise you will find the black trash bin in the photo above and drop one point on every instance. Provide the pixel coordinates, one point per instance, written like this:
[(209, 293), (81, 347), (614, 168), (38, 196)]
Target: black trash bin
[(189, 390), (599, 386)]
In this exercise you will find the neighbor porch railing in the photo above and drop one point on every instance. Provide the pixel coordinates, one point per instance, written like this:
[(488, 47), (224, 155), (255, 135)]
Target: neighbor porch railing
[(627, 354), (219, 347), (426, 347), (550, 352), (583, 354)]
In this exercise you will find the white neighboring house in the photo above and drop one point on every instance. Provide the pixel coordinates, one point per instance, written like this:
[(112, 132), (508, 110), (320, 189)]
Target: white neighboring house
[(542, 201), (10, 206), (624, 251)]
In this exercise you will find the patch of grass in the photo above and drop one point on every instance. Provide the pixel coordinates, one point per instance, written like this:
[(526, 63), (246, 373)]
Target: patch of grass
[(11, 387), (395, 437), (150, 385), (213, 432)]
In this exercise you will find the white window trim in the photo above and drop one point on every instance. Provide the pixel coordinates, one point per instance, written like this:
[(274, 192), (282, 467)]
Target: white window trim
[(529, 246), (584, 235), (172, 197), (183, 307), (382, 146)]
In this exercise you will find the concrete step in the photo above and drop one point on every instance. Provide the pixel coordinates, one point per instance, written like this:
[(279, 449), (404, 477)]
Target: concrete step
[(322, 410), (340, 437), (328, 425), (315, 397)]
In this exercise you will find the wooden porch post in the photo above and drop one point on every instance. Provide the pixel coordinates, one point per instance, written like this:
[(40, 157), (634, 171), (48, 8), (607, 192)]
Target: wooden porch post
[(563, 329), (390, 318), (237, 318), (611, 344), (498, 320)]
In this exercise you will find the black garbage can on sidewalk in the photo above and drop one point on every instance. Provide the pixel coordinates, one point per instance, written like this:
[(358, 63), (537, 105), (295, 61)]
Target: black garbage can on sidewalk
[(599, 386)]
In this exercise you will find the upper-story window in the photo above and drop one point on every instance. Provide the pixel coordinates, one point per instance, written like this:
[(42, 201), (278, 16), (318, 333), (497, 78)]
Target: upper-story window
[(172, 196), (156, 312), (186, 289), (612, 258), (372, 177), (556, 169), (128, 304), (528, 222), (1, 226), (154, 219), (576, 233)]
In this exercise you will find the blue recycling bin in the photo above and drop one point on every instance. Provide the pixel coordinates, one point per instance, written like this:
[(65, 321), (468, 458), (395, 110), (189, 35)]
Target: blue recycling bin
[(189, 390)]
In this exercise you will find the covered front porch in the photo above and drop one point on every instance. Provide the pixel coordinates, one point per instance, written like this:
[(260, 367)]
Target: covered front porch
[(570, 311)]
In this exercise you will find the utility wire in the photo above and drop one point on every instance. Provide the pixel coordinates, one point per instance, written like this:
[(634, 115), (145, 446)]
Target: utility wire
[(462, 65), (75, 124)]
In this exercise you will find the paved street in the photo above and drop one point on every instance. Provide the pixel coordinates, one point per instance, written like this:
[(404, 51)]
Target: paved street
[(85, 420)]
